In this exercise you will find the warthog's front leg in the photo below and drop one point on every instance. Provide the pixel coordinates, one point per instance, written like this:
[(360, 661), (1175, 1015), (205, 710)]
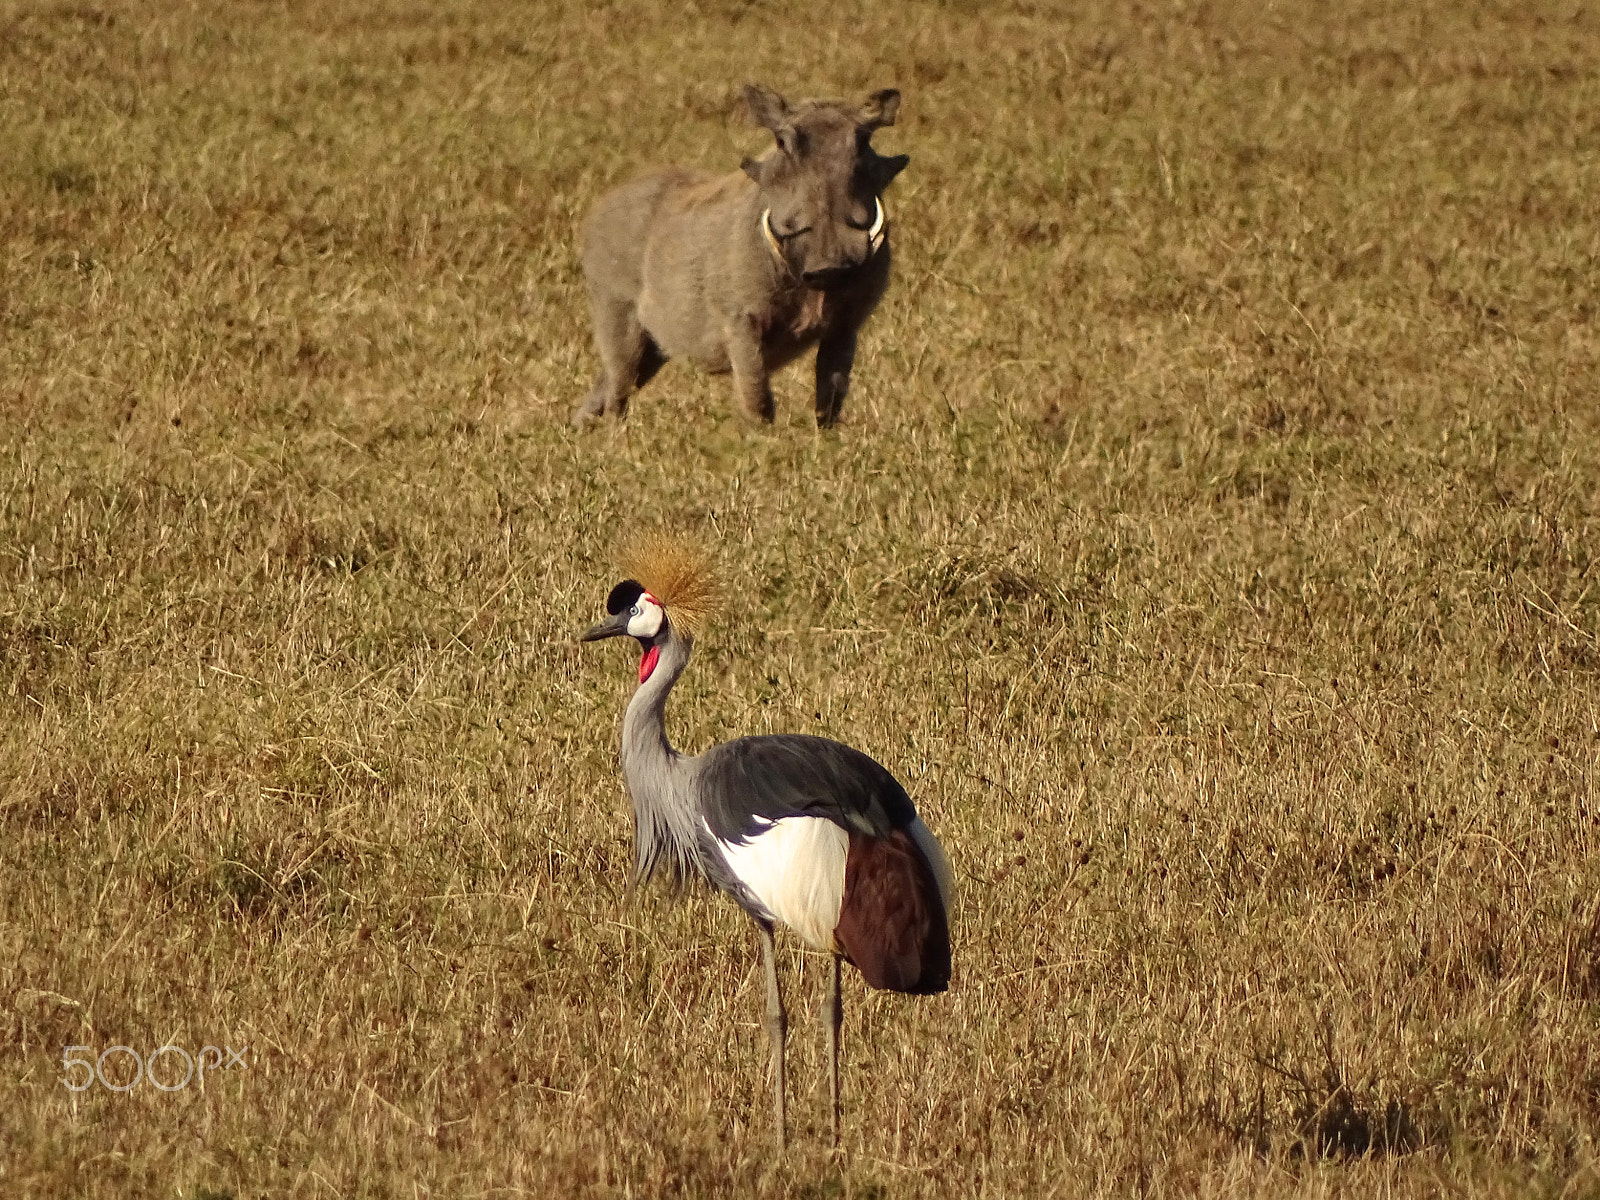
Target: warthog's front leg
[(750, 379), (836, 353)]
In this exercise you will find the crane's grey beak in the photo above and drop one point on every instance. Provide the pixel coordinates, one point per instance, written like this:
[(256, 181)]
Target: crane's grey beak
[(615, 625)]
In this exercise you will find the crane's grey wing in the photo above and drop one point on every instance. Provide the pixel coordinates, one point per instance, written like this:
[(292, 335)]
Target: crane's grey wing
[(751, 781)]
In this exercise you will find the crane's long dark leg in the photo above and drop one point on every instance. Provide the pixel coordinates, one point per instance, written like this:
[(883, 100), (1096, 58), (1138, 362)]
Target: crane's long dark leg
[(835, 1013), (777, 1025)]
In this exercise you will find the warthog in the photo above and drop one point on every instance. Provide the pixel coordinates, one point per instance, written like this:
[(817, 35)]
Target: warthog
[(744, 272)]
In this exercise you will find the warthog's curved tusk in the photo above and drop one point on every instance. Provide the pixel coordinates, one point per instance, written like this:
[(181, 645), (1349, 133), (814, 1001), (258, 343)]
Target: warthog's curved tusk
[(772, 238), (875, 234)]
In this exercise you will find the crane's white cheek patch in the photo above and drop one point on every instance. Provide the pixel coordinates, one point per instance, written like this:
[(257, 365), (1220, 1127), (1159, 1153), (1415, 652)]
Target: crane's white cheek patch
[(795, 867), (646, 623)]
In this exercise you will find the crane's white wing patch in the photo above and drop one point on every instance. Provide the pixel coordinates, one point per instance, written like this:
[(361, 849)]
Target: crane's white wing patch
[(795, 867)]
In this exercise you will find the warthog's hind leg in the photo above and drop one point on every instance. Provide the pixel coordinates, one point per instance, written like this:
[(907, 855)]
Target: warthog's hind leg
[(835, 356), (629, 358)]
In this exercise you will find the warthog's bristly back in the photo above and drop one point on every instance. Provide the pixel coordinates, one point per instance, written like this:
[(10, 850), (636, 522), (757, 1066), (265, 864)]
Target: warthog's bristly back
[(744, 272)]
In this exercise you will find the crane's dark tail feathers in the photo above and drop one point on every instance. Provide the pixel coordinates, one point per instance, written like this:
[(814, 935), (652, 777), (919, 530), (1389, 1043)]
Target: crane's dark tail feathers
[(892, 921)]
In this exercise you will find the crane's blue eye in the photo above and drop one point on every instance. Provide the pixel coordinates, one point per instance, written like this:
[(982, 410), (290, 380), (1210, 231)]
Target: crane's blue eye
[(634, 611)]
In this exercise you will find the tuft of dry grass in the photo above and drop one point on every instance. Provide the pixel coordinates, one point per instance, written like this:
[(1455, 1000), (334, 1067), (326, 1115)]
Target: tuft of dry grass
[(1209, 548)]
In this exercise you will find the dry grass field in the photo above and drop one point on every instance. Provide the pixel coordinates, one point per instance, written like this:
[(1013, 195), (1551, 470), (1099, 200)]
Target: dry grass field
[(1210, 546)]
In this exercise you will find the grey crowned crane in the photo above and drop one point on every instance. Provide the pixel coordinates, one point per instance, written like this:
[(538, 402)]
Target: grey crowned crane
[(799, 830)]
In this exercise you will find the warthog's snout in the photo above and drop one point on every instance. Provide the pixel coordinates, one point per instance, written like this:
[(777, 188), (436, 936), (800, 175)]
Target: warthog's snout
[(828, 278), (745, 272)]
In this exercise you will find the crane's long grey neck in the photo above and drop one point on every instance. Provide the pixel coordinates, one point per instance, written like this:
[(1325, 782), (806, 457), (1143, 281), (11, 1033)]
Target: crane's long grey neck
[(667, 829)]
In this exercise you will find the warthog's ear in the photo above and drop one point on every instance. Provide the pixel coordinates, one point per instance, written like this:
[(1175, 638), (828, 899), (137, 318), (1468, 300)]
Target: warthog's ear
[(880, 109), (885, 169), (767, 108), (772, 111)]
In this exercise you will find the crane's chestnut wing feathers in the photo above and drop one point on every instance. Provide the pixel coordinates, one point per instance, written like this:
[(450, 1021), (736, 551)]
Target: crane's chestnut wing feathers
[(755, 780), (892, 922)]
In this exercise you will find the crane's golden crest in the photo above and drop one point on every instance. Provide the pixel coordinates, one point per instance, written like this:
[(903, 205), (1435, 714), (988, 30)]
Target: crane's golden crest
[(678, 573)]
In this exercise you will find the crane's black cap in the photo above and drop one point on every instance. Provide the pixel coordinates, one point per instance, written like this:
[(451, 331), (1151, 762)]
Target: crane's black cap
[(622, 596)]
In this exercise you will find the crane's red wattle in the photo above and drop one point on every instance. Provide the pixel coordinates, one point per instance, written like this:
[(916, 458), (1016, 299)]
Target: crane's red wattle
[(648, 662)]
